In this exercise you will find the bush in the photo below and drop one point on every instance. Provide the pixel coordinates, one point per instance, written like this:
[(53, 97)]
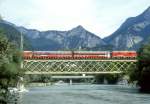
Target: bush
[(141, 73), (9, 65)]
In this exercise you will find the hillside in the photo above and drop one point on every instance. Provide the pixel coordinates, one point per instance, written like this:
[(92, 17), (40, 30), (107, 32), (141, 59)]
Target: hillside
[(13, 34), (134, 32)]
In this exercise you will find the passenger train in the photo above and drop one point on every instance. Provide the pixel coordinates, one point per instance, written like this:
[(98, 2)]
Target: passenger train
[(79, 54)]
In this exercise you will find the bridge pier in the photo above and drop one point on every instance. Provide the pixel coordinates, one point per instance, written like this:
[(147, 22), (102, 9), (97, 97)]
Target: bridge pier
[(20, 85), (70, 82), (74, 78)]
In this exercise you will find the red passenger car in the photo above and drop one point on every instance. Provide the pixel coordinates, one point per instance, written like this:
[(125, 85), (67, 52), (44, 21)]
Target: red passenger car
[(52, 55), (91, 54)]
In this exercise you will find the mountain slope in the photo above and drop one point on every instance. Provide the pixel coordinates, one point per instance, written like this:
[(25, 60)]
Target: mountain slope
[(63, 40), (132, 33), (13, 34)]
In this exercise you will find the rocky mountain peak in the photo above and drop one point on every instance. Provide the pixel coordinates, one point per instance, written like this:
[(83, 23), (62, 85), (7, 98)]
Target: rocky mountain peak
[(61, 40), (147, 10), (79, 27), (146, 14)]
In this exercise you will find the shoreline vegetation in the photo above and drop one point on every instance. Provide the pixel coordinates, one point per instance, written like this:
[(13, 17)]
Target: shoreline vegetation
[(141, 73), (10, 71)]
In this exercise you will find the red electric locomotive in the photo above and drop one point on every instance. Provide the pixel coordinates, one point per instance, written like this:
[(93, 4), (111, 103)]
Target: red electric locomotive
[(123, 54), (27, 54)]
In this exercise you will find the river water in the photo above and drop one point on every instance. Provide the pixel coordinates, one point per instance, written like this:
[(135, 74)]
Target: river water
[(84, 94)]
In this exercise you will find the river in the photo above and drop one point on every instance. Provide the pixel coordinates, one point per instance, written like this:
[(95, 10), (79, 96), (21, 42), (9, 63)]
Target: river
[(84, 94)]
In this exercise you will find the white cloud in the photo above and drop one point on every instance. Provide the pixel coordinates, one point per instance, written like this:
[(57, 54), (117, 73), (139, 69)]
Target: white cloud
[(98, 16)]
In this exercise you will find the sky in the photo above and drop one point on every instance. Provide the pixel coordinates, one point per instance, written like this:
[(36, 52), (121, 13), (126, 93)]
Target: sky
[(101, 17)]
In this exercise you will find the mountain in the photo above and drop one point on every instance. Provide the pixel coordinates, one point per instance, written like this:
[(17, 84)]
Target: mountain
[(74, 39), (13, 34), (132, 33)]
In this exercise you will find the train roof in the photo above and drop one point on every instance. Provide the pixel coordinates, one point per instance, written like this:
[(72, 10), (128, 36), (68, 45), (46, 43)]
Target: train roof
[(66, 51), (123, 51)]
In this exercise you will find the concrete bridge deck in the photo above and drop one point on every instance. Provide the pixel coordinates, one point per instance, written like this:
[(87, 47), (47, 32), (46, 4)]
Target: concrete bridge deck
[(72, 77)]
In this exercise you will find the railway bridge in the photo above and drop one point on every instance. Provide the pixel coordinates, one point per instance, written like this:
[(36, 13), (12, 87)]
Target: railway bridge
[(76, 69), (88, 67)]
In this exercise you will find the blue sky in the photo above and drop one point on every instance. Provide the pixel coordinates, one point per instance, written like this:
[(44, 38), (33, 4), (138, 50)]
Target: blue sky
[(101, 17)]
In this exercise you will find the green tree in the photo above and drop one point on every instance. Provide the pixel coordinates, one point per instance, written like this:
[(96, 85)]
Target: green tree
[(9, 65), (141, 73)]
